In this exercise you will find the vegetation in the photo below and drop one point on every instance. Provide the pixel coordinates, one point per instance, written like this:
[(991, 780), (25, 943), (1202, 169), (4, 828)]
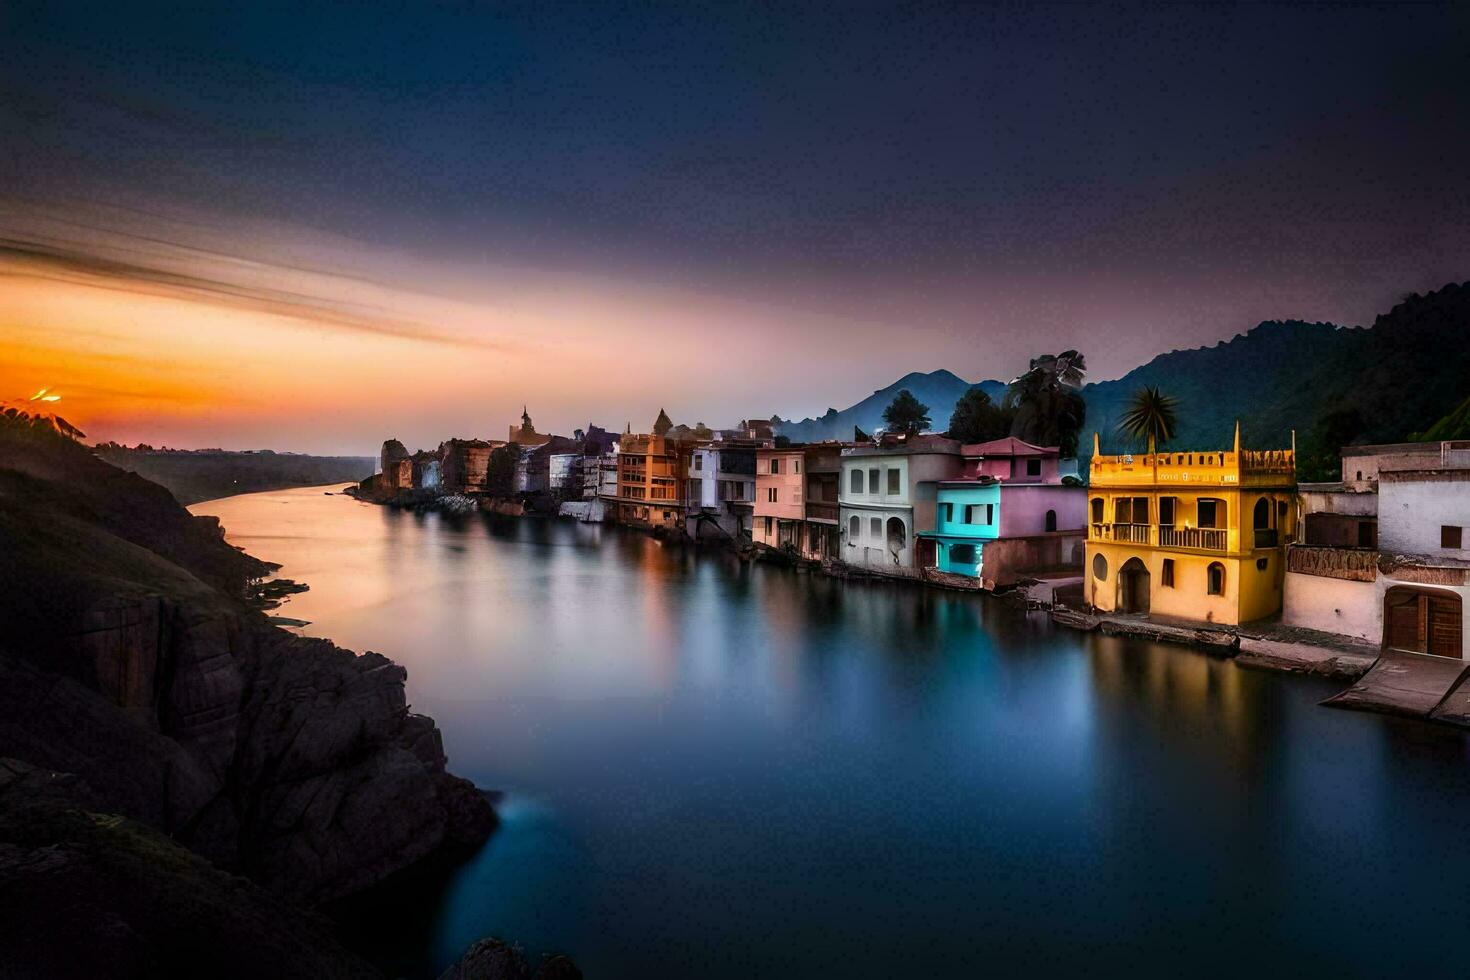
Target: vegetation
[(1455, 425), (1151, 417), (978, 419), (500, 471), (1047, 401), (906, 414)]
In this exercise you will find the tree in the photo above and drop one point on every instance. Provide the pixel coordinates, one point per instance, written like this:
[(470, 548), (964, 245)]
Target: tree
[(500, 472), (906, 414), (1047, 401), (662, 424), (1150, 416), (977, 419)]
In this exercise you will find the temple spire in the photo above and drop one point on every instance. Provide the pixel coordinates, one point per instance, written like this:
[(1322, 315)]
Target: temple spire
[(1096, 451), (1237, 438)]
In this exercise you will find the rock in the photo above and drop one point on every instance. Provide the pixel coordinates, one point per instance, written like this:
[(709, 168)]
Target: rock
[(489, 959), (558, 968)]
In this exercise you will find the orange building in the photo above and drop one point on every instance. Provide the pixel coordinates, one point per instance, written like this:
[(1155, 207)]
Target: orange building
[(651, 481)]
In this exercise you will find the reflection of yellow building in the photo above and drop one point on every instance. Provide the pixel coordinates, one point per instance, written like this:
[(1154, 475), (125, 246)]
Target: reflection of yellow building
[(1195, 535)]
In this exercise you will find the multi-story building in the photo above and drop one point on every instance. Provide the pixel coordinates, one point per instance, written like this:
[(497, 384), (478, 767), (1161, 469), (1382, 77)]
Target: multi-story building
[(780, 508), (1384, 556), (465, 463), (721, 490), (651, 481), (1010, 515), (1197, 535), (822, 463), (888, 490)]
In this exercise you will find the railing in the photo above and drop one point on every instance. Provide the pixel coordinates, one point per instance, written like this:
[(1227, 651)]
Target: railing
[(1266, 537), (1134, 533), (1201, 538)]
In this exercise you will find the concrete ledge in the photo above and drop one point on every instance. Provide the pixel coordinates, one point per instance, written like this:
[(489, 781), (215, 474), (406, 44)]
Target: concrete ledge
[(1405, 684), (1211, 638), (1303, 658)]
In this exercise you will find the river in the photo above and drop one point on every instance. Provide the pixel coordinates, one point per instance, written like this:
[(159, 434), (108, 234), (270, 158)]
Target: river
[(716, 770)]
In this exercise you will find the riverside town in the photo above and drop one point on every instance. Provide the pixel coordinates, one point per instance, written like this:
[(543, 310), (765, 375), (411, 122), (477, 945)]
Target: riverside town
[(719, 490)]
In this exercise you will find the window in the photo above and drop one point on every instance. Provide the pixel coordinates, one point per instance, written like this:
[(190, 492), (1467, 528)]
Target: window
[(873, 481), (1262, 564), (699, 462), (854, 526), (1167, 508), (962, 554), (1261, 514), (856, 483), (1123, 510), (1033, 467), (1166, 577), (1051, 520), (990, 513), (1097, 510), (893, 490), (947, 512), (768, 526), (1449, 536), (775, 466), (875, 526), (1216, 579), (1210, 513), (796, 466), (1099, 568), (970, 513), (770, 495)]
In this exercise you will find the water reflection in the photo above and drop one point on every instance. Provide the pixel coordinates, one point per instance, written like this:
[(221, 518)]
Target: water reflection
[(720, 770)]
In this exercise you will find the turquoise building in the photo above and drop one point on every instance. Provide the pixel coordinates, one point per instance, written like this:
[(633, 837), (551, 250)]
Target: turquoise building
[(966, 515)]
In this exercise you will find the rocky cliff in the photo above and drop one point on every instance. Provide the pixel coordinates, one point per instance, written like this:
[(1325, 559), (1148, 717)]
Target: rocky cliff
[(129, 661)]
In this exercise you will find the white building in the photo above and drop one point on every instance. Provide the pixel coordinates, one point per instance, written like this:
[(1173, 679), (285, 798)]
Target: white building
[(562, 469), (1384, 555), (721, 490), (886, 492)]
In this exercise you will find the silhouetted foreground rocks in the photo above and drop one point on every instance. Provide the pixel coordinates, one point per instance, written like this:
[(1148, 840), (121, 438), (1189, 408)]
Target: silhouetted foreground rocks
[(181, 779)]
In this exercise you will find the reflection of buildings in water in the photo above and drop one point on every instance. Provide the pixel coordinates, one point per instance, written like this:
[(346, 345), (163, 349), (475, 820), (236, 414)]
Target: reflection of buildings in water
[(1177, 683)]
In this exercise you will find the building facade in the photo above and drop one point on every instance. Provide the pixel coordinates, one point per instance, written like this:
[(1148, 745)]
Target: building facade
[(651, 482), (780, 508), (1012, 516), (822, 463), (1383, 556), (464, 465), (886, 491), (1194, 535), (720, 493)]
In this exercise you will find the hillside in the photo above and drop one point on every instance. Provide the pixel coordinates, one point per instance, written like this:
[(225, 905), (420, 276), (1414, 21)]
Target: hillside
[(1334, 385), (210, 474), (937, 389)]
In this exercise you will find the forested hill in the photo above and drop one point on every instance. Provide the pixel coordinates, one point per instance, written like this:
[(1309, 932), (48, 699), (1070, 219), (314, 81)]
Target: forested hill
[(192, 476), (937, 389), (1334, 385)]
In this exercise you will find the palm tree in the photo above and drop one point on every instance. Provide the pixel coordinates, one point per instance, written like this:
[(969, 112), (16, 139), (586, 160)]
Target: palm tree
[(1150, 415), (1048, 405)]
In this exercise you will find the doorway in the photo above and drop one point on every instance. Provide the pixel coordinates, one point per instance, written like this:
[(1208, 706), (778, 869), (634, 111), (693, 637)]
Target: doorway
[(1133, 587), (1422, 622)]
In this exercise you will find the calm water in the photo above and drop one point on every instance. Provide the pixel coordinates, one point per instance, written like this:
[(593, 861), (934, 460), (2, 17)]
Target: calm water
[(721, 771)]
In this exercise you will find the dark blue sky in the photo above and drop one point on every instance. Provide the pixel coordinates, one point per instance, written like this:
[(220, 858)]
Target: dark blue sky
[(994, 180)]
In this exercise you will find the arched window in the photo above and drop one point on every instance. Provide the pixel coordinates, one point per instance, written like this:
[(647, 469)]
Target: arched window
[(1051, 520), (854, 526), (856, 482), (1262, 514), (1099, 567), (1360, 474), (1216, 578)]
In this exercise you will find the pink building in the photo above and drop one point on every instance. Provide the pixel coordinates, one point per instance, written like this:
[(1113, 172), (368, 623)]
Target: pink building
[(780, 505)]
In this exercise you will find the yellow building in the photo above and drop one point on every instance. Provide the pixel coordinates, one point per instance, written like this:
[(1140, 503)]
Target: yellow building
[(651, 481), (1195, 535)]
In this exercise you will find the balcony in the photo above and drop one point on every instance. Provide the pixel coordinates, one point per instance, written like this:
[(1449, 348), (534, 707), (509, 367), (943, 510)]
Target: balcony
[(821, 512), (1198, 538), (1134, 533), (1267, 537)]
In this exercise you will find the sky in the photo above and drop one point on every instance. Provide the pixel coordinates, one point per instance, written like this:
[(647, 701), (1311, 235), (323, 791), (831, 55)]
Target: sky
[(313, 228)]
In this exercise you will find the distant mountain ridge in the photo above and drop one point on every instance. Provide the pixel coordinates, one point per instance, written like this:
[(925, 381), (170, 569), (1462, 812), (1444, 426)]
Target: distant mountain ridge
[(1332, 385), (937, 389)]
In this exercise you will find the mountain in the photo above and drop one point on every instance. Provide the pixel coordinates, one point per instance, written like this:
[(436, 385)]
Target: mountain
[(1333, 385), (207, 474), (937, 389), (1455, 425)]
